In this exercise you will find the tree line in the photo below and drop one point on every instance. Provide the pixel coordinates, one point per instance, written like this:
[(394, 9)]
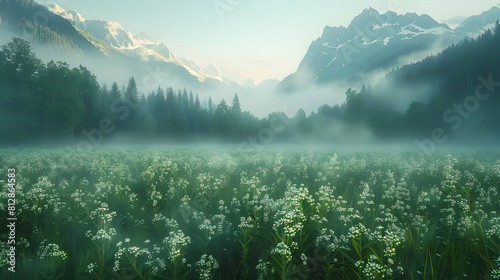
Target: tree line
[(55, 103), (52, 101), (462, 85)]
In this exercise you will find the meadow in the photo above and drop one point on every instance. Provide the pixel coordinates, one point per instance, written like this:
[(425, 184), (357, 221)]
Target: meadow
[(182, 213)]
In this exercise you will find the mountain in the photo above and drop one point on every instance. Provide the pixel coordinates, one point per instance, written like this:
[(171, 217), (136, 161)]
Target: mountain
[(249, 82), (371, 44), (476, 25), (34, 22), (212, 70), (455, 91), (106, 49), (140, 46)]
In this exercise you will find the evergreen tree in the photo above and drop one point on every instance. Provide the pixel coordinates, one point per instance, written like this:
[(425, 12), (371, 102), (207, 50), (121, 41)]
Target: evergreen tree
[(114, 94), (180, 101), (132, 94), (236, 107), (210, 105), (197, 114), (105, 103), (131, 98), (235, 118), (160, 111), (185, 102), (171, 112), (89, 93), (115, 100), (356, 111), (191, 100), (221, 120), (300, 122), (197, 104)]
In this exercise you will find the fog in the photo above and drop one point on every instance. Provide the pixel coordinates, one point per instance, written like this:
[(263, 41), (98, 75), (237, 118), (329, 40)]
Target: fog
[(387, 92), (262, 103), (258, 101)]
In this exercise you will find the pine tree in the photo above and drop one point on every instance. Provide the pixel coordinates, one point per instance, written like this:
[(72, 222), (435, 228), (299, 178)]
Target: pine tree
[(197, 115), (132, 94), (221, 119), (105, 102), (180, 102), (236, 107), (131, 98), (235, 118), (114, 94), (210, 105), (171, 112), (197, 104), (160, 111), (89, 92), (356, 111), (185, 103), (191, 100)]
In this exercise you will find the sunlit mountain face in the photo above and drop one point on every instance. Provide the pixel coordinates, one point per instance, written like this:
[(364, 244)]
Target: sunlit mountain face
[(121, 157), (374, 43)]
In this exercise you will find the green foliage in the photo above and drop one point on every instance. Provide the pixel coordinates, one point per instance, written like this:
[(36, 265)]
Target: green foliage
[(31, 20), (448, 79), (62, 107), (173, 214), (52, 111), (356, 110)]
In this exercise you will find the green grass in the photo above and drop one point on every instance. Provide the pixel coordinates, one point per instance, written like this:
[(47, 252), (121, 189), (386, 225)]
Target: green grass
[(226, 214)]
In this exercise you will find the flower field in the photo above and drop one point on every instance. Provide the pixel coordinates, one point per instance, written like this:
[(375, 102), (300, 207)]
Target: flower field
[(184, 213)]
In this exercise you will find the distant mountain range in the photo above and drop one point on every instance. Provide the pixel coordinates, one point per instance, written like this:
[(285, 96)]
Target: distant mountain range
[(140, 46), (106, 48), (475, 25), (370, 47), (374, 43)]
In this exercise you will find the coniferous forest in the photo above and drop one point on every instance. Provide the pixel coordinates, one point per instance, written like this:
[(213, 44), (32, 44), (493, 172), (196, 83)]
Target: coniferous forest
[(55, 102)]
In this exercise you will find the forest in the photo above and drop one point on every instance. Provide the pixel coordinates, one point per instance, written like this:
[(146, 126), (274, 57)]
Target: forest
[(58, 104)]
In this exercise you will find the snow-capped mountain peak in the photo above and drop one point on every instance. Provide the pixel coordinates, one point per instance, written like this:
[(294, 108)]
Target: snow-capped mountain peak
[(373, 42), (71, 15), (112, 33), (140, 46), (145, 39), (56, 9), (476, 25), (114, 27), (75, 16), (191, 64), (212, 70), (364, 18)]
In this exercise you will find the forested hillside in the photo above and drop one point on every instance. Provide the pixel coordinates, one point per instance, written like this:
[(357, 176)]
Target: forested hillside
[(34, 21), (462, 88), (48, 102)]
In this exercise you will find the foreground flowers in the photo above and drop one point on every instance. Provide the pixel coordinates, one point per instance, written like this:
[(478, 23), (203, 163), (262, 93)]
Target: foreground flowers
[(186, 214)]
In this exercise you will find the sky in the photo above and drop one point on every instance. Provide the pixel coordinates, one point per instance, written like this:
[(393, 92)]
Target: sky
[(260, 39)]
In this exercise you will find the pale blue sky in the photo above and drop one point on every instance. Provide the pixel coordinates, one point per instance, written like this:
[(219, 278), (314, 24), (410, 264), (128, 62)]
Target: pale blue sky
[(256, 38)]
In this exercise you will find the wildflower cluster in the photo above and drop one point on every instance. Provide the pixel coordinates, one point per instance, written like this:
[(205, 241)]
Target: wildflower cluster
[(185, 214)]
